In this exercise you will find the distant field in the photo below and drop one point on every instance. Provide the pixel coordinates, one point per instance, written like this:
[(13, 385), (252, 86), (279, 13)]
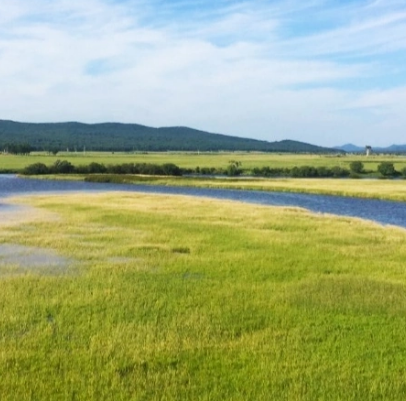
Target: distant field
[(192, 160), (175, 298)]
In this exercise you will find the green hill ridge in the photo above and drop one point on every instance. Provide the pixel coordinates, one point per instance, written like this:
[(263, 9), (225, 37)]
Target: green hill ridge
[(135, 137)]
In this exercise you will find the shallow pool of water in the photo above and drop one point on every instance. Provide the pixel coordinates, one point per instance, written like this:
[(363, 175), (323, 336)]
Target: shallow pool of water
[(19, 259)]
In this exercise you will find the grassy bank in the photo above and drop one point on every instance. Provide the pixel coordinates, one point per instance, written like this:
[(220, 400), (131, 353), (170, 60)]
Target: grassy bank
[(377, 189), (362, 188), (188, 299)]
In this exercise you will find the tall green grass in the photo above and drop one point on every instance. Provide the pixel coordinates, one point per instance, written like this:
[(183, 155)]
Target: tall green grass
[(189, 299)]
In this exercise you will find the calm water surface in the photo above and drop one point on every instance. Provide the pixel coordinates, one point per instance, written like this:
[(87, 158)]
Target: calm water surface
[(384, 212)]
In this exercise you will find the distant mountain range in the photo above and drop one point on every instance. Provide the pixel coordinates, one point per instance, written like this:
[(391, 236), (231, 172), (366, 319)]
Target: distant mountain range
[(350, 148), (136, 137)]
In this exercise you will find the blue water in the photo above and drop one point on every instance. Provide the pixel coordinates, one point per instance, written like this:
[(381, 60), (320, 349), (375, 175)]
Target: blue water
[(384, 212)]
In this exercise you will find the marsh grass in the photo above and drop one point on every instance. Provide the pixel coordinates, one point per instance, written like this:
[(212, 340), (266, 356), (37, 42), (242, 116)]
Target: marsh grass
[(188, 299), (365, 188)]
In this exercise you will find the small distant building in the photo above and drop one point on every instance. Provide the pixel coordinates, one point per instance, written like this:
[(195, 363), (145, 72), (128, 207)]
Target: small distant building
[(368, 150)]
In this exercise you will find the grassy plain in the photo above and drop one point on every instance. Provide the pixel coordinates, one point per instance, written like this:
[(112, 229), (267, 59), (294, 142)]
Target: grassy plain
[(193, 160), (175, 298)]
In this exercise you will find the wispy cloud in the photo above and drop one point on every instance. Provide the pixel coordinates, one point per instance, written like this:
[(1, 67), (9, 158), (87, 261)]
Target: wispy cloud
[(320, 71)]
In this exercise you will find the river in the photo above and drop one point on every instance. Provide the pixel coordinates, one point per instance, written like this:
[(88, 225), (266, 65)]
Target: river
[(381, 211)]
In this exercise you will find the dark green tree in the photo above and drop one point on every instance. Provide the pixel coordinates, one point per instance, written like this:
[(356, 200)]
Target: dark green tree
[(36, 169), (62, 167), (357, 167), (171, 169), (303, 171), (233, 168), (96, 168), (387, 169), (338, 171), (323, 171)]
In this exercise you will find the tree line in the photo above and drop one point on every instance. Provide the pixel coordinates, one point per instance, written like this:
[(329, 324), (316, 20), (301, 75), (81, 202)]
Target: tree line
[(356, 170), (385, 169), (66, 167)]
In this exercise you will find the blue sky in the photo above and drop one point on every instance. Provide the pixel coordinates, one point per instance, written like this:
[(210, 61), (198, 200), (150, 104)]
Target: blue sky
[(323, 72)]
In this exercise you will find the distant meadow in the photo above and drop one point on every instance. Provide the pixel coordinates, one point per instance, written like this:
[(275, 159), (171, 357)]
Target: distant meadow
[(192, 160)]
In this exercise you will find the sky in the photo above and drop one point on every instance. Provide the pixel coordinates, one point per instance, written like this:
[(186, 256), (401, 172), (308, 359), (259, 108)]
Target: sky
[(326, 72)]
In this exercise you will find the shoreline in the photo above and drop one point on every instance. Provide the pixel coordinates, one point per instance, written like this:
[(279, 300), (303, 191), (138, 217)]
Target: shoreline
[(392, 190)]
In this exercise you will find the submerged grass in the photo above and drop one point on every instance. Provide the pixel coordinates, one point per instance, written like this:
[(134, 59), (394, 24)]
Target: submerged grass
[(180, 298)]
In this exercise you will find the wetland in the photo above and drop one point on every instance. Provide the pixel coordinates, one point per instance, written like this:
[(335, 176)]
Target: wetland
[(197, 297), (378, 210)]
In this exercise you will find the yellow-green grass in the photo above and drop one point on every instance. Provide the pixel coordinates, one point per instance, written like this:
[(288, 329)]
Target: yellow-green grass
[(361, 188), (193, 160), (377, 189), (175, 298)]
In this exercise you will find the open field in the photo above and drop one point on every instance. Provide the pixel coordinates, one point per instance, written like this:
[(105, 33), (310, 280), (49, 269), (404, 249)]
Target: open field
[(178, 298), (192, 160)]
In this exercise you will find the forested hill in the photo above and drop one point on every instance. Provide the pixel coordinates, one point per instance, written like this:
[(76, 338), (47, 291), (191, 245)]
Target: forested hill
[(135, 137)]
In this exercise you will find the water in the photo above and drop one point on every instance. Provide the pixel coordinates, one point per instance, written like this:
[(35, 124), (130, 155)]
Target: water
[(384, 212), (25, 258)]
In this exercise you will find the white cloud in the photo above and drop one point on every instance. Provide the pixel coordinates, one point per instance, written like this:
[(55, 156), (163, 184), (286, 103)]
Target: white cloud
[(233, 70)]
